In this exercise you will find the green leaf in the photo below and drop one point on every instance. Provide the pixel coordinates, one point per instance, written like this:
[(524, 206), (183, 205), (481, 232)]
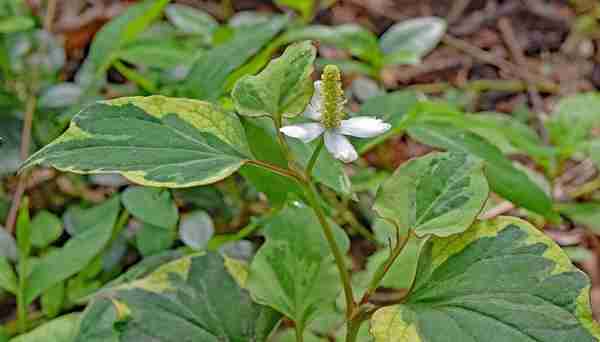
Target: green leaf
[(572, 121), (46, 228), (191, 20), (402, 272), (10, 132), (439, 194), (208, 76), (23, 231), (409, 41), (391, 108), (294, 271), (502, 280), (283, 88), (191, 299), (159, 53), (8, 245), (74, 256), (504, 179), (263, 142), (151, 239), (155, 141), (8, 278), (587, 214), (151, 205), (117, 33), (359, 41), (62, 329), (305, 7), (16, 24), (53, 299)]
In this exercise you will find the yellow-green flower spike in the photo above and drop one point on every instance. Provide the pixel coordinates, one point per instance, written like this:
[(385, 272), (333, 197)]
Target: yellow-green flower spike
[(333, 97)]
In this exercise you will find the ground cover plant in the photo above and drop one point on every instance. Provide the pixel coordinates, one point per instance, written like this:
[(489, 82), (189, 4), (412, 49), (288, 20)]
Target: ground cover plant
[(298, 171)]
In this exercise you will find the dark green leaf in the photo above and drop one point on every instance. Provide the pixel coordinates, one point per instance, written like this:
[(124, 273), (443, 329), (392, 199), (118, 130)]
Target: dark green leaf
[(155, 140), (191, 299), (207, 78), (502, 280), (116, 34)]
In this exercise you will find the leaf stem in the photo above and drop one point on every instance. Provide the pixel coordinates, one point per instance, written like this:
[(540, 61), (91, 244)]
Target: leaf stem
[(311, 194), (385, 267), (299, 329), (313, 159), (276, 169)]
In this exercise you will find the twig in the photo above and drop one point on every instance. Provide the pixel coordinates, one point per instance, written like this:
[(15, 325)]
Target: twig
[(503, 64), (479, 18), (498, 210), (481, 85), (24, 153), (457, 10), (508, 34), (50, 14)]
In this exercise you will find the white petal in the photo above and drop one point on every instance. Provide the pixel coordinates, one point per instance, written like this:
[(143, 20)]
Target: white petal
[(339, 146), (305, 132), (363, 127), (313, 110)]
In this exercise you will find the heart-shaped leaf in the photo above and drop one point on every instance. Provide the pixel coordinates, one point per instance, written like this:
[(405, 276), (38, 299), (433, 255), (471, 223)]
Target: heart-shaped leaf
[(439, 194), (284, 87), (191, 299), (503, 281), (155, 140), (504, 179), (45, 229), (294, 271)]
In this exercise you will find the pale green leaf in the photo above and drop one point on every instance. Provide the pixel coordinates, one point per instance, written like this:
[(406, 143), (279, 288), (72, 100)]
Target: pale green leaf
[(283, 88), (192, 20), (503, 281), (8, 278), (62, 329), (196, 229), (585, 213), (74, 256), (155, 141), (151, 205), (46, 228), (409, 41), (294, 271), (439, 194), (151, 239)]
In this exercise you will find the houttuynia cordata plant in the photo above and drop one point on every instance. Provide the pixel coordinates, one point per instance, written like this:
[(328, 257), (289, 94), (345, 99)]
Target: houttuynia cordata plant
[(497, 280)]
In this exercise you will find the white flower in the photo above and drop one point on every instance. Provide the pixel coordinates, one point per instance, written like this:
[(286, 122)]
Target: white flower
[(335, 141)]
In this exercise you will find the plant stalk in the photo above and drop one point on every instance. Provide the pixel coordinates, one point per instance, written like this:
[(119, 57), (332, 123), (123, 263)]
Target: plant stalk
[(311, 194)]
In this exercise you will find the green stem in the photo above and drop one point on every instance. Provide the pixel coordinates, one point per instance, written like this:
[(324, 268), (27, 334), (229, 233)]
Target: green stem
[(585, 188), (299, 333), (136, 77), (311, 194), (278, 120), (313, 159), (276, 169), (384, 268)]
